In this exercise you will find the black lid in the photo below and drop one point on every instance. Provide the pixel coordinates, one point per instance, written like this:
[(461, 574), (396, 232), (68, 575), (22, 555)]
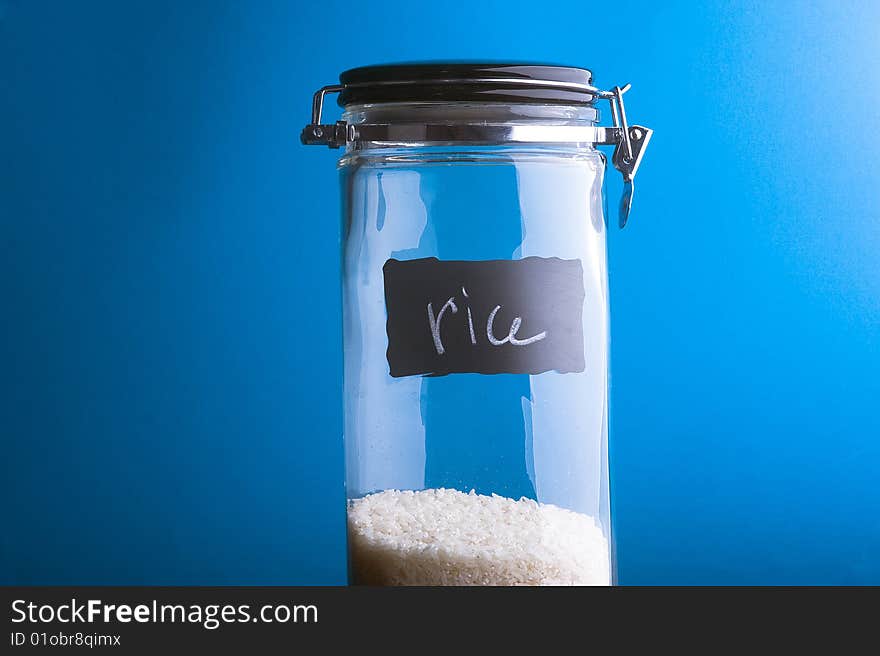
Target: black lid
[(465, 81)]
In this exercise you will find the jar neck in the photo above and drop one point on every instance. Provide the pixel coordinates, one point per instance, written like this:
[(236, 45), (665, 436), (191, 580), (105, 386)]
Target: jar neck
[(487, 113)]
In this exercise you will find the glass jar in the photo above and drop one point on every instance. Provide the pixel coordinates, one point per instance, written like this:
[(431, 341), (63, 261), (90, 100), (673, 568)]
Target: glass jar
[(476, 321)]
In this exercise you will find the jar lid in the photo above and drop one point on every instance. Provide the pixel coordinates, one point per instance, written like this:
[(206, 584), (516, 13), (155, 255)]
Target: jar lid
[(467, 82), (476, 82)]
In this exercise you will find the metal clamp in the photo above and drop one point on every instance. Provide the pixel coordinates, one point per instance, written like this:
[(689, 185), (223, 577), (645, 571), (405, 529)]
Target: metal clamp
[(629, 141), (320, 134), (628, 152)]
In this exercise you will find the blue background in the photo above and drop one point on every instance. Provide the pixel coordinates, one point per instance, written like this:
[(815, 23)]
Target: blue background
[(165, 422)]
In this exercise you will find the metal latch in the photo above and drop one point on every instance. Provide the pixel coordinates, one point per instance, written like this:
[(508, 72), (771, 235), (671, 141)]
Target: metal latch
[(629, 141), (628, 150)]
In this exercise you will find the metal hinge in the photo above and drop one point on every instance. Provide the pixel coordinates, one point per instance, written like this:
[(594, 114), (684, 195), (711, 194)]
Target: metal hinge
[(316, 133)]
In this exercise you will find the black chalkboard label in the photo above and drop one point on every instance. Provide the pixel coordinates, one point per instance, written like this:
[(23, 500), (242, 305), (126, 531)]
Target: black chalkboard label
[(488, 317)]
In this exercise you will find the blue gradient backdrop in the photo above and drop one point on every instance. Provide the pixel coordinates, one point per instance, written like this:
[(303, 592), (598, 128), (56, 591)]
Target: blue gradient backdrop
[(164, 240)]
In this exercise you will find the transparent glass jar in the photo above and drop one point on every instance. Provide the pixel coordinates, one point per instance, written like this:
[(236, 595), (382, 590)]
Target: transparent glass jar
[(475, 308)]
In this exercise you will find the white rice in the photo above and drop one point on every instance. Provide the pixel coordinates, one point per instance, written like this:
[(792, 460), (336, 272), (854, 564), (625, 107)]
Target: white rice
[(447, 537)]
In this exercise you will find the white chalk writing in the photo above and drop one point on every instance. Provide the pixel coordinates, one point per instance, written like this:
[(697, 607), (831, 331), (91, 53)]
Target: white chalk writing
[(511, 334), (435, 322)]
